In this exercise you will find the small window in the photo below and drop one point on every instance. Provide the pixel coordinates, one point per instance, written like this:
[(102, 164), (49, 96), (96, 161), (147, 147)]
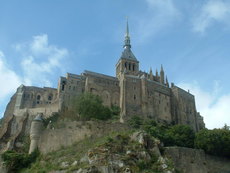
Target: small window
[(125, 64), (50, 97), (38, 97), (134, 97), (129, 66), (133, 67)]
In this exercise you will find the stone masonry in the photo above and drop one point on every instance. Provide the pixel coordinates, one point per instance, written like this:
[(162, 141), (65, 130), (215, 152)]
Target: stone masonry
[(134, 91)]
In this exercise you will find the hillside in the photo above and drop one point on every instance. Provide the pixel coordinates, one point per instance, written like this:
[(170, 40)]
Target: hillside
[(111, 147)]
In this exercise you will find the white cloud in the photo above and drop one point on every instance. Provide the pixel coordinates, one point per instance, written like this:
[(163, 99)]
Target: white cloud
[(160, 14), (212, 11), (9, 79), (40, 60), (213, 107)]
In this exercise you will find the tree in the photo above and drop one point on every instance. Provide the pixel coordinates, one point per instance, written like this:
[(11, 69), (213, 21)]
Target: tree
[(90, 106), (215, 142)]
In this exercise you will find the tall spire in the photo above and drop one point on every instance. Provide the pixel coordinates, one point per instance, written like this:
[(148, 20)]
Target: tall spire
[(127, 37)]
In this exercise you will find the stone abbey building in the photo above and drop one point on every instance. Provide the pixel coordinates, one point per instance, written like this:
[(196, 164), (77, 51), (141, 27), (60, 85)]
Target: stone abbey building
[(134, 91)]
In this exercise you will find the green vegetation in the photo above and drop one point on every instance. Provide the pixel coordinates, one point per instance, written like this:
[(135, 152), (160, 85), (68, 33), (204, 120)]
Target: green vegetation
[(15, 161), (90, 106), (214, 142), (53, 160), (177, 135), (54, 118)]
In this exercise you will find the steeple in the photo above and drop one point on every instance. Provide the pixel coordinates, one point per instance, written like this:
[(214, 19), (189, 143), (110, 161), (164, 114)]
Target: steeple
[(127, 44), (127, 64), (167, 83), (162, 75), (151, 74)]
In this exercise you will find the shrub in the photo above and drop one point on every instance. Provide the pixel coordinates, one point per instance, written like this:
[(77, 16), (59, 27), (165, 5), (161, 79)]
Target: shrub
[(135, 122), (181, 135), (15, 161), (90, 106), (215, 142), (177, 135)]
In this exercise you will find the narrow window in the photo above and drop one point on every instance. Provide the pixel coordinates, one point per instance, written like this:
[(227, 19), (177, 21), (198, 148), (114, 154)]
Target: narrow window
[(38, 97), (134, 97), (129, 66), (125, 64), (50, 97), (133, 67)]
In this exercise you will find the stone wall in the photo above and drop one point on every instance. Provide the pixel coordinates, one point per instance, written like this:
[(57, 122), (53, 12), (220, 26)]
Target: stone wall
[(68, 133), (189, 160)]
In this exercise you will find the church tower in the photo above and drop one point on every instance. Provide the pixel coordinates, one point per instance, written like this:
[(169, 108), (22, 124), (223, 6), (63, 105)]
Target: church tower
[(127, 63)]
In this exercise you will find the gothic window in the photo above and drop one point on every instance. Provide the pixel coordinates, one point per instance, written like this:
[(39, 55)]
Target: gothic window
[(50, 97), (38, 99)]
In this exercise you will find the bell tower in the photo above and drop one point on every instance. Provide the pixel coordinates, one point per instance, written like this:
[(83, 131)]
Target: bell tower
[(127, 63)]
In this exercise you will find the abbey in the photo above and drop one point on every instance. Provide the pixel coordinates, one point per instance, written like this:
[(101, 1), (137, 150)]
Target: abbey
[(134, 91)]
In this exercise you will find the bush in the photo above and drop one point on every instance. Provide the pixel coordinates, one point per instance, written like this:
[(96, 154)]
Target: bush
[(215, 142), (90, 106), (135, 122), (177, 135), (182, 135), (15, 161)]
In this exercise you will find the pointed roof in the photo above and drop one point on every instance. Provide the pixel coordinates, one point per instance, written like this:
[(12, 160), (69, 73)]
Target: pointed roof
[(162, 69), (127, 53)]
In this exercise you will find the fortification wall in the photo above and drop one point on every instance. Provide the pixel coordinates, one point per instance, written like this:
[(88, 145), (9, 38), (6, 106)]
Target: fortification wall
[(159, 101), (196, 161), (67, 133), (184, 103)]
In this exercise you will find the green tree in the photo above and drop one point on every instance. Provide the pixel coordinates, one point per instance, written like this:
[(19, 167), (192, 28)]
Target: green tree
[(215, 142), (181, 135), (90, 106)]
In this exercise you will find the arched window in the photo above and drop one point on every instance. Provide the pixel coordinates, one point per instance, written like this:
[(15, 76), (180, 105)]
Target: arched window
[(38, 97)]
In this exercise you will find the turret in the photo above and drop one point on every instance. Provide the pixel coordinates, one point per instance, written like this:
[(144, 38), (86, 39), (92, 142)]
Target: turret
[(162, 75), (157, 76), (151, 74), (35, 132), (167, 83)]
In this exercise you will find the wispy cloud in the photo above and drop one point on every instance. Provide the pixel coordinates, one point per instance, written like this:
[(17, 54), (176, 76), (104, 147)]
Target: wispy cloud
[(159, 15), (213, 106), (40, 59), (211, 12), (9, 79)]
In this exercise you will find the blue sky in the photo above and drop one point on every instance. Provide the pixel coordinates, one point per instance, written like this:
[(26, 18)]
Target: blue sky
[(42, 40)]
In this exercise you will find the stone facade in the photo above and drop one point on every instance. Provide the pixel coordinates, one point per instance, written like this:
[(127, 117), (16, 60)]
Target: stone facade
[(134, 91)]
